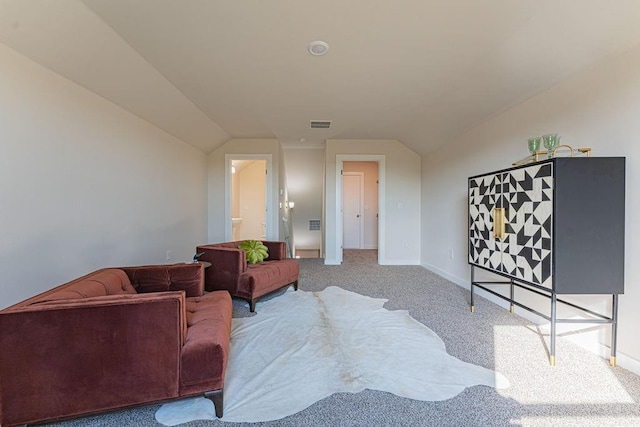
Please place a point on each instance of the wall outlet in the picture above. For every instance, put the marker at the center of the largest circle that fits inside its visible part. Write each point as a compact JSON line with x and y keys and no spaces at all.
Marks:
{"x":450,"y":253}
{"x":168,"y":255}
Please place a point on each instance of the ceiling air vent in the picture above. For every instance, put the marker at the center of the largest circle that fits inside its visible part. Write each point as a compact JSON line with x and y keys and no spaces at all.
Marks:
{"x":320,"y":124}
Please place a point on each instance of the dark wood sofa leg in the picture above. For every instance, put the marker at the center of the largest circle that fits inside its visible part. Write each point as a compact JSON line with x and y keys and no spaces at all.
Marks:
{"x":217,"y":397}
{"x":295,"y":285}
{"x":252,"y":305}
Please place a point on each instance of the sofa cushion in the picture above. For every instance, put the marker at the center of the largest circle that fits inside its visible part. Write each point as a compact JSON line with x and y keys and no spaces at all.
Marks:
{"x":153,"y":278}
{"x":110,"y":281}
{"x":270,"y":275}
{"x":206,"y":346}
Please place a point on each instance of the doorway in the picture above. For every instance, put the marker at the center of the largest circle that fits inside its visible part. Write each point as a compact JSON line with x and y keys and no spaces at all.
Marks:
{"x":368,"y":229}
{"x":248,"y":200}
{"x":249,"y":204}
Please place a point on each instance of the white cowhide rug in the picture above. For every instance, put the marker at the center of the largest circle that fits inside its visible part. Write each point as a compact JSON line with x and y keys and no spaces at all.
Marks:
{"x":304,"y":346}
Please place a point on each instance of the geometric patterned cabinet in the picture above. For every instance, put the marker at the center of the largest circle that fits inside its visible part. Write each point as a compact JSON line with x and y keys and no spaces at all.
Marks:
{"x":552,"y":227}
{"x":526,"y":195}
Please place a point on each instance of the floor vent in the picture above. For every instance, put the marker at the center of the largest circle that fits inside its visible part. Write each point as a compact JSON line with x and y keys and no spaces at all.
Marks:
{"x":320,"y":124}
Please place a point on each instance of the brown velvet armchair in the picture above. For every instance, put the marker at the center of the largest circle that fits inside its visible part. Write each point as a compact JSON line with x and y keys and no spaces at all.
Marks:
{"x":114,"y":338}
{"x":230,"y":271}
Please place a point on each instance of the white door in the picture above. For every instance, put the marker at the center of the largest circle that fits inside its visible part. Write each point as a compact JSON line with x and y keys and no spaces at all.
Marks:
{"x":352,"y":202}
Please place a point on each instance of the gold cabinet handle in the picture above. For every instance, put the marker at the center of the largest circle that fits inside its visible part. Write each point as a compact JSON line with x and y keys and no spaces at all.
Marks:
{"x":498,"y":223}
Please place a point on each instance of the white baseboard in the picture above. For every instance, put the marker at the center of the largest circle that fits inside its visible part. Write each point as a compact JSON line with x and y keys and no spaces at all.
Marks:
{"x":601,"y":350}
{"x":371,"y":246}
{"x":467,"y":285}
{"x":458,"y":281}
{"x":400,"y":262}
{"x":328,"y":261}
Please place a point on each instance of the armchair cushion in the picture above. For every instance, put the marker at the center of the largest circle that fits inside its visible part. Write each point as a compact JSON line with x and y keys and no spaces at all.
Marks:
{"x":206,"y":347}
{"x":277,"y":250}
{"x":177,"y":277}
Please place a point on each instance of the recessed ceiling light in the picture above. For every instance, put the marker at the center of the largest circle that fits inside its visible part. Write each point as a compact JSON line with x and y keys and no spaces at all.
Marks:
{"x":318,"y":48}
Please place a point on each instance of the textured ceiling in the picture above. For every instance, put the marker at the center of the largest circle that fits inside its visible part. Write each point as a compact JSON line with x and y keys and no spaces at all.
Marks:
{"x":419,"y":71}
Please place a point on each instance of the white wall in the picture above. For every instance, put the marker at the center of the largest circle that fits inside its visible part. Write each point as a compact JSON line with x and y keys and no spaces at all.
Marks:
{"x":85,"y":184}
{"x":401,"y":223}
{"x":598,"y":108}
{"x":305,"y":178}
{"x":217,"y":224}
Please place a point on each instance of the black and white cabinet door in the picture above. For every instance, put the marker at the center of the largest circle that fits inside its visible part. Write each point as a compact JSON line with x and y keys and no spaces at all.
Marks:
{"x":525,"y":251}
{"x":484,"y":193}
{"x":527,"y":195}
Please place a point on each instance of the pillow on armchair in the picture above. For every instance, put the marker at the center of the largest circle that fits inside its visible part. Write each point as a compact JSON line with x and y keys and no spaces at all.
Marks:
{"x":256,"y":251}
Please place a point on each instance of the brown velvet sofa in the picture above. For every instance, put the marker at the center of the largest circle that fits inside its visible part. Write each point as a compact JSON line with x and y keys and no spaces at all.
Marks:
{"x":230,"y":271}
{"x":114,"y":338}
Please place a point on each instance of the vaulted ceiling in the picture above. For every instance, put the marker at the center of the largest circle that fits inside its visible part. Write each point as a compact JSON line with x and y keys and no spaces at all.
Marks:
{"x":419,"y":71}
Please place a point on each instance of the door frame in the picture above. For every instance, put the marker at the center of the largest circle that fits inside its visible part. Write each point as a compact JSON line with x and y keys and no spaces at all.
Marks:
{"x":272,"y":210}
{"x":360,"y":208}
{"x":380,"y":159}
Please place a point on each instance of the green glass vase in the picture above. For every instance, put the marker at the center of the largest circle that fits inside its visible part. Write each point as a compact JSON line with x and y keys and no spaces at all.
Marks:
{"x":551,"y":142}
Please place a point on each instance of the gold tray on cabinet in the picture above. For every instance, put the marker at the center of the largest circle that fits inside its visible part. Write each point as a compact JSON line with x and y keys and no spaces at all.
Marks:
{"x":562,"y":149}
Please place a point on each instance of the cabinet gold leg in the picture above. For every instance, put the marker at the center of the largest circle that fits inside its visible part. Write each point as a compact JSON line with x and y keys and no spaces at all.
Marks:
{"x":613,"y":361}
{"x":511,"y":310}
{"x":552,"y":360}
{"x":473,"y":309}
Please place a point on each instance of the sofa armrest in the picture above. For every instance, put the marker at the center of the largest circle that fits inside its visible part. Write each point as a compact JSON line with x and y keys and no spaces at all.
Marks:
{"x":277,"y":250}
{"x":162,"y":278}
{"x":87,"y":355}
{"x":227,"y":265}
{"x":227,"y":262}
